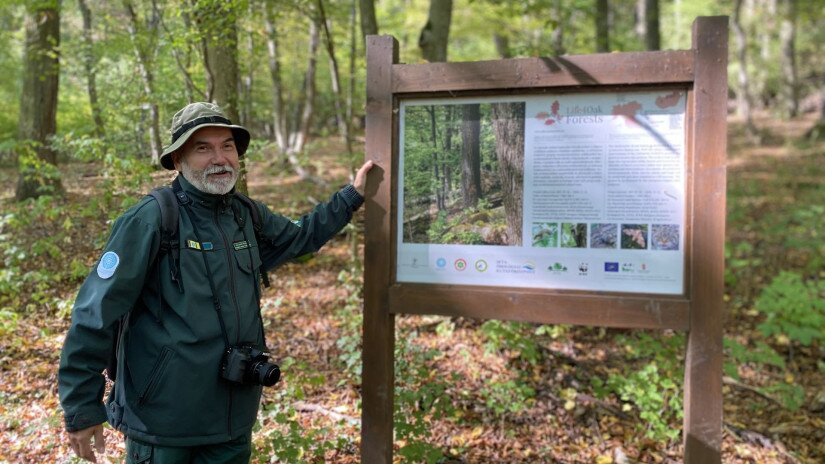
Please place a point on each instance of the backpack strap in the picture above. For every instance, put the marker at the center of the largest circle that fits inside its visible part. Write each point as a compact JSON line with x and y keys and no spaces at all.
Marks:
{"x":168,"y":199}
{"x":169,"y":244}
{"x":257,"y":226}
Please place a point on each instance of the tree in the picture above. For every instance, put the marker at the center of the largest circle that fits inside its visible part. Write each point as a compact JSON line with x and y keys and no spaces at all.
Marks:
{"x":217,"y":21}
{"x":435,"y":34}
{"x":602,"y":26}
{"x":647,"y":23}
{"x":743,"y":98}
{"x":471,"y":155}
{"x":89,"y":64}
{"x":787,"y":38}
{"x":508,"y":126}
{"x":37,"y":161}
{"x":144,"y":40}
{"x":369,"y":25}
{"x":291,"y":133}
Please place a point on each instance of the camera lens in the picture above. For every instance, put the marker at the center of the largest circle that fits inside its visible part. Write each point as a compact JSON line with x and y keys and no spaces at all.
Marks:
{"x":266,"y":374}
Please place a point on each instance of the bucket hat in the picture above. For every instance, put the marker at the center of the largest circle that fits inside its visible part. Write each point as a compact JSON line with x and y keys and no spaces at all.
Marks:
{"x":196,"y":116}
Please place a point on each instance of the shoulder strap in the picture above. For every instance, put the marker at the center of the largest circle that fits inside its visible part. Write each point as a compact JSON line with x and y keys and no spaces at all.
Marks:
{"x":168,"y":199}
{"x":257,"y":226}
{"x":169,"y":214}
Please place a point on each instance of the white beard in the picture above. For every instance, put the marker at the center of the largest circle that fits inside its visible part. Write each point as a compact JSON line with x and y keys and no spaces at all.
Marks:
{"x":201,"y":181}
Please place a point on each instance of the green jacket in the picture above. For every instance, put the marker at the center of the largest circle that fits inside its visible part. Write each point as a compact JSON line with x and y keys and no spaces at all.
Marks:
{"x":169,"y":390}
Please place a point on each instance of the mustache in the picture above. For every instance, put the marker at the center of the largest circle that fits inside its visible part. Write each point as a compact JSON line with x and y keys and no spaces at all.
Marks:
{"x":218,"y":170}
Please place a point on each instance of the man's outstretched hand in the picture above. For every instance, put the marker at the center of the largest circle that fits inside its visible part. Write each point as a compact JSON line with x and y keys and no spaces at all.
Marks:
{"x":360,"y":181}
{"x":81,"y":442}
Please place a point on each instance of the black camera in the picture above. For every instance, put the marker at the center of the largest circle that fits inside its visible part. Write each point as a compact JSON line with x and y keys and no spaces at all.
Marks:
{"x":249,"y":365}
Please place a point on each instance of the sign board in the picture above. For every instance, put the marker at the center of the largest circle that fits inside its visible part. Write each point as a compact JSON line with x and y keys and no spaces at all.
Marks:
{"x":595,"y":195}
{"x":601,"y":186}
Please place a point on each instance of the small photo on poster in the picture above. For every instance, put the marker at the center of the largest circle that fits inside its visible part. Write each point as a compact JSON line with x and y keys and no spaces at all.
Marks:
{"x":573,"y":235}
{"x":665,"y":237}
{"x":604,"y":235}
{"x":463,"y":174}
{"x":545,"y":234}
{"x":634,"y":236}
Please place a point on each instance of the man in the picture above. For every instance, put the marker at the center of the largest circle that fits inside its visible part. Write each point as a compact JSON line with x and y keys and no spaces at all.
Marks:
{"x":179,"y":397}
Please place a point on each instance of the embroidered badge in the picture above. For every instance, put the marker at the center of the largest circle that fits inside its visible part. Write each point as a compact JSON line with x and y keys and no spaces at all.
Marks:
{"x":242,"y":245}
{"x":193,"y":245}
{"x":107,"y":265}
{"x":207,"y":246}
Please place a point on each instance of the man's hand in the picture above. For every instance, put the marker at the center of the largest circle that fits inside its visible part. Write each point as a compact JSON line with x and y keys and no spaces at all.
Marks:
{"x":81,"y":442}
{"x":360,"y":181}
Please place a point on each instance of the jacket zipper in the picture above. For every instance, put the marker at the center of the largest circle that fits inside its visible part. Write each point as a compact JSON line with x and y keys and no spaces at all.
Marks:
{"x":228,"y":247}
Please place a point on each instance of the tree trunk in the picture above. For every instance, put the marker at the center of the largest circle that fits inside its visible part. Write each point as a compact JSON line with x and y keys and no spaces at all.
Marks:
{"x":647,"y":23}
{"x":602,"y":26}
{"x":340,"y":118}
{"x":279,"y":119}
{"x":144,"y":43}
{"x":743,"y":98}
{"x":787,"y":36}
{"x":434,"y":37}
{"x":248,"y":79}
{"x":470,"y":155}
{"x":502,"y":45}
{"x":219,"y":25}
{"x":37,"y":162}
{"x":89,"y":62}
{"x":291,"y":133}
{"x":369,"y":25}
{"x":439,"y":192}
{"x":508,"y":127}
{"x":557,"y":36}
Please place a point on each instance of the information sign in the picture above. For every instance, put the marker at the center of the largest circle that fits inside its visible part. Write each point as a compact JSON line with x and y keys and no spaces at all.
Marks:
{"x":597,"y":199}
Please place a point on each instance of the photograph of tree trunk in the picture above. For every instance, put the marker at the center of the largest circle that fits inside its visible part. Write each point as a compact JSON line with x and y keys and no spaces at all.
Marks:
{"x":463,"y":173}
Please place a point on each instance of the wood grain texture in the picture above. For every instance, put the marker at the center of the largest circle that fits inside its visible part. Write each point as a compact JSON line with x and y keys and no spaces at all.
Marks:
{"x":542,"y":306}
{"x":637,"y":68}
{"x":379,"y":324}
{"x":708,"y":143}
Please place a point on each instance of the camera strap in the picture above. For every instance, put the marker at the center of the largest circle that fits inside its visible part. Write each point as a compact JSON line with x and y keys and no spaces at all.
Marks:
{"x":215,"y":300}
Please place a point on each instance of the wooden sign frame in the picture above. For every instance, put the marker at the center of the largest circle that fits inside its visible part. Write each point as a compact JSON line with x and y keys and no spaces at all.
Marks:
{"x":702,"y":72}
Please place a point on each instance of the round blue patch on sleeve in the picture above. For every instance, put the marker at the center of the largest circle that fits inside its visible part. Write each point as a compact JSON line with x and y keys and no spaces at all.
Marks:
{"x":107,"y":265}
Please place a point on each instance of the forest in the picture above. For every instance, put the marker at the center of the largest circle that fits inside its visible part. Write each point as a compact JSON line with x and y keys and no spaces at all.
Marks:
{"x":89,"y":90}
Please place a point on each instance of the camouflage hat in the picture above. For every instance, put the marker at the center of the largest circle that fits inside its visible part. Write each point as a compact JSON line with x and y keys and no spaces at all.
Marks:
{"x":196,"y":116}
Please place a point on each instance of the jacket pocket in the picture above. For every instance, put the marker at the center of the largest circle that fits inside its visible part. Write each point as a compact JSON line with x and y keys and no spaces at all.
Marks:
{"x":248,"y":259}
{"x":155,"y":375}
{"x":137,"y":452}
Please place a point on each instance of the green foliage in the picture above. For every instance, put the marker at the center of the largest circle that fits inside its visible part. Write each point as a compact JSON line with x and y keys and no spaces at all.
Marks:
{"x":351,"y":318}
{"x":507,"y":396}
{"x":654,"y":388}
{"x":420,"y":396}
{"x":512,"y":336}
{"x":793,"y":308}
{"x":289,"y":441}
{"x":739,"y":355}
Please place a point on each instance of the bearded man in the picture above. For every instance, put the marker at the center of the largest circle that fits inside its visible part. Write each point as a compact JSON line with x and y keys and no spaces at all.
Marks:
{"x":191,"y":351}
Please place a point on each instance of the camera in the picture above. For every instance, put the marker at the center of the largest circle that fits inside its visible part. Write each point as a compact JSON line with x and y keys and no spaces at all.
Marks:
{"x":249,"y":365}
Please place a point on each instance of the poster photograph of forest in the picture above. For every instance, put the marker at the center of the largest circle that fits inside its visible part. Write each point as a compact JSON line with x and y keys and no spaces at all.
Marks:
{"x":463,"y":173}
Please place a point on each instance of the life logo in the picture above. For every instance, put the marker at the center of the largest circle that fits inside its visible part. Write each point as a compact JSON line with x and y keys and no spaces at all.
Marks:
{"x":460,"y":264}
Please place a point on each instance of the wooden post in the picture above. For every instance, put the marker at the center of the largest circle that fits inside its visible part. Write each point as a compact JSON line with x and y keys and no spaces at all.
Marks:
{"x":708,"y":137}
{"x":377,"y":378}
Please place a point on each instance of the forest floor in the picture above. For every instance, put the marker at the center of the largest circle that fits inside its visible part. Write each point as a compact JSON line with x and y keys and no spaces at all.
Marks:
{"x":472,"y":400}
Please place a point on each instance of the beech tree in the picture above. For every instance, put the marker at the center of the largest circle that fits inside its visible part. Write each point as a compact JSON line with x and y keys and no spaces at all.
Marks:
{"x":470,"y":155}
{"x":435,"y":34}
{"x":144,"y":35}
{"x":508,"y":126}
{"x":37,"y":161}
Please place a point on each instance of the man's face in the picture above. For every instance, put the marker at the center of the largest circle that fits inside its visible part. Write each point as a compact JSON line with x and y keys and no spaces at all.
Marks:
{"x":209,"y":160}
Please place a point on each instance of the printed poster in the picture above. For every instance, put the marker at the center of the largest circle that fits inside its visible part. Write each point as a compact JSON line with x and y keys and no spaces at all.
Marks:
{"x":569,"y":191}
